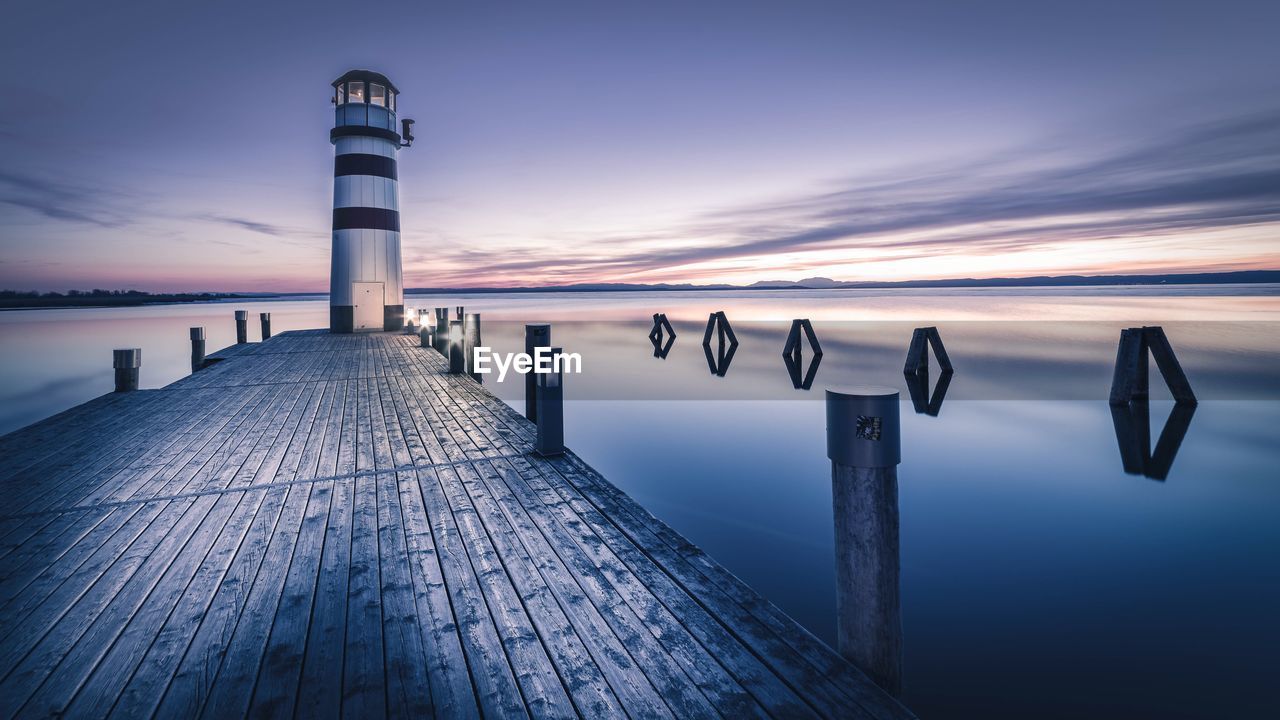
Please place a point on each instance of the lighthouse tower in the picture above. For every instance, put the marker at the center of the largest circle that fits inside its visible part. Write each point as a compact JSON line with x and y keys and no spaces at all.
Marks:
{"x":366,"y":290}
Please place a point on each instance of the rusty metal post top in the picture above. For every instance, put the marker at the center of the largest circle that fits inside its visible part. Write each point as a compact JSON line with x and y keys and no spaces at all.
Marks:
{"x":863,"y":426}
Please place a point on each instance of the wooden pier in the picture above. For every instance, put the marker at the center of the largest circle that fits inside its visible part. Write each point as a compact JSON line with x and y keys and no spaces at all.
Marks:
{"x":324,"y":525}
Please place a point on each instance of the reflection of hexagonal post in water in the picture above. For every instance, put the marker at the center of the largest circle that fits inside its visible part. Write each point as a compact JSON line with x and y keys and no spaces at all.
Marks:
{"x":1133,"y":434}
{"x":662,"y":328}
{"x":727,"y":343}
{"x":792,"y":354}
{"x":916,"y":371}
{"x":863,"y":443}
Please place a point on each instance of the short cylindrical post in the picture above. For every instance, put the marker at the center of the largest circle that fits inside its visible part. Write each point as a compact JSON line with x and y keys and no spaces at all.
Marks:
{"x":425,"y":335}
{"x":197,"y":348}
{"x":242,"y":327}
{"x":550,"y":411}
{"x":126,"y":362}
{"x":864,"y":445}
{"x":457,"y":356}
{"x":442,"y":331}
{"x":459,"y":311}
{"x":535,"y":336}
{"x":265,"y":318}
{"x":470,"y":339}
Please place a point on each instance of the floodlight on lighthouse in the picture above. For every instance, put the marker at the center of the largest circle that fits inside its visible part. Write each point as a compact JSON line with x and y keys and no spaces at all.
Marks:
{"x":406,"y":131}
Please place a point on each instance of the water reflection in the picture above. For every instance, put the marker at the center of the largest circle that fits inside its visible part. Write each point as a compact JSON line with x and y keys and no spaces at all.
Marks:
{"x":661,"y":327}
{"x":794,"y":363}
{"x":1133,"y":433}
{"x":792,"y":354}
{"x":918,"y":388}
{"x":726,"y":344}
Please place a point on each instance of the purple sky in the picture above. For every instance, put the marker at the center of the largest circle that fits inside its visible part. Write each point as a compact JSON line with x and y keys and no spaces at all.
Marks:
{"x":184,"y":146}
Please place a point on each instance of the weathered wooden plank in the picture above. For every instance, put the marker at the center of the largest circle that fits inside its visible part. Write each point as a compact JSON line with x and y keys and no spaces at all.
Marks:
{"x":136,"y":669}
{"x":495,"y":681}
{"x":117,"y":642}
{"x":320,"y":693}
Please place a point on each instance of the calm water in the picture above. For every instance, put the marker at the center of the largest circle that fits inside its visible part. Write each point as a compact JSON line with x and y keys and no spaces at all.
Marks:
{"x":1039,"y":579}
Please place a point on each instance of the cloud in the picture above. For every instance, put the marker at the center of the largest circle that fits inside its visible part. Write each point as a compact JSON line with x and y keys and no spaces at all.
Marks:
{"x":265,"y":228}
{"x":1209,"y":176}
{"x":63,"y":200}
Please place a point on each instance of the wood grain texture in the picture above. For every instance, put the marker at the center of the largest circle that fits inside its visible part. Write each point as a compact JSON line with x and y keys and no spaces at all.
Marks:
{"x":323,"y":525}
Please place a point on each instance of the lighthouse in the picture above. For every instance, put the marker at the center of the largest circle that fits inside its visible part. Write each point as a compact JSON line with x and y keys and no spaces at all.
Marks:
{"x":366,"y":288}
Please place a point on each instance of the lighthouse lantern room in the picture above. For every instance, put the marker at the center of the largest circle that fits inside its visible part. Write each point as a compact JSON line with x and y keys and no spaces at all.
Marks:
{"x":366,"y":289}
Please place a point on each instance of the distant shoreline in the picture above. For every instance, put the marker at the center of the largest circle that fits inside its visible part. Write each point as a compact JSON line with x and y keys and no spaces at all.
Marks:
{"x":134,"y":298}
{"x":124,"y":300}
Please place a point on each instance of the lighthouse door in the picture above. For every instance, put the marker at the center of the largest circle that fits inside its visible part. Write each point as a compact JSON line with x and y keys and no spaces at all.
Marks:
{"x":368,"y":305}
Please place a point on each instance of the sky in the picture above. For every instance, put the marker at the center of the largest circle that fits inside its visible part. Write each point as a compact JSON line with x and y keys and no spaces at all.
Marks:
{"x":184,"y":146}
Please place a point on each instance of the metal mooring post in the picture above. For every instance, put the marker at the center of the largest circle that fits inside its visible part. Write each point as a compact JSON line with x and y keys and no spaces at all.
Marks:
{"x":864,"y":445}
{"x":442,"y":331}
{"x":470,"y":340}
{"x":457,"y":361}
{"x":126,"y":362}
{"x":197,"y":348}
{"x":535,"y":336}
{"x":242,"y":327}
{"x":550,"y":411}
{"x":265,"y":319}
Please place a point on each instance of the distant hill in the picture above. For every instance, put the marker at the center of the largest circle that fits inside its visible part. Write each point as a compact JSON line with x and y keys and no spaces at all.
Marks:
{"x":822,"y":283}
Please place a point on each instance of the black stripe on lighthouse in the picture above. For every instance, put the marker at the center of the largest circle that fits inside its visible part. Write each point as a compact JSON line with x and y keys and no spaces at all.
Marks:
{"x":365,"y":218}
{"x":362,"y":164}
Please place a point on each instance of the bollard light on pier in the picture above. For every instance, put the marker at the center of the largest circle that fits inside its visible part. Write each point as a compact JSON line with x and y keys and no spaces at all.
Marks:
{"x":457,"y":360}
{"x":197,"y":348}
{"x":536,"y":335}
{"x":864,"y":445}
{"x":470,"y":339}
{"x":441,"y":335}
{"x":550,"y":441}
{"x":242,"y":327}
{"x":265,"y":319}
{"x":426,"y":336}
{"x":126,"y":362}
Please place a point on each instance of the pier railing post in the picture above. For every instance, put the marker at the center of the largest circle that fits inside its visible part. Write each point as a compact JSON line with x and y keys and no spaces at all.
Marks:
{"x":242,"y":327}
{"x":197,"y":348}
{"x":470,"y":340}
{"x":126,"y":362}
{"x":442,"y":331}
{"x":536,"y":335}
{"x":864,"y":445}
{"x":550,"y":412}
{"x":265,"y":319}
{"x":457,"y":359}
